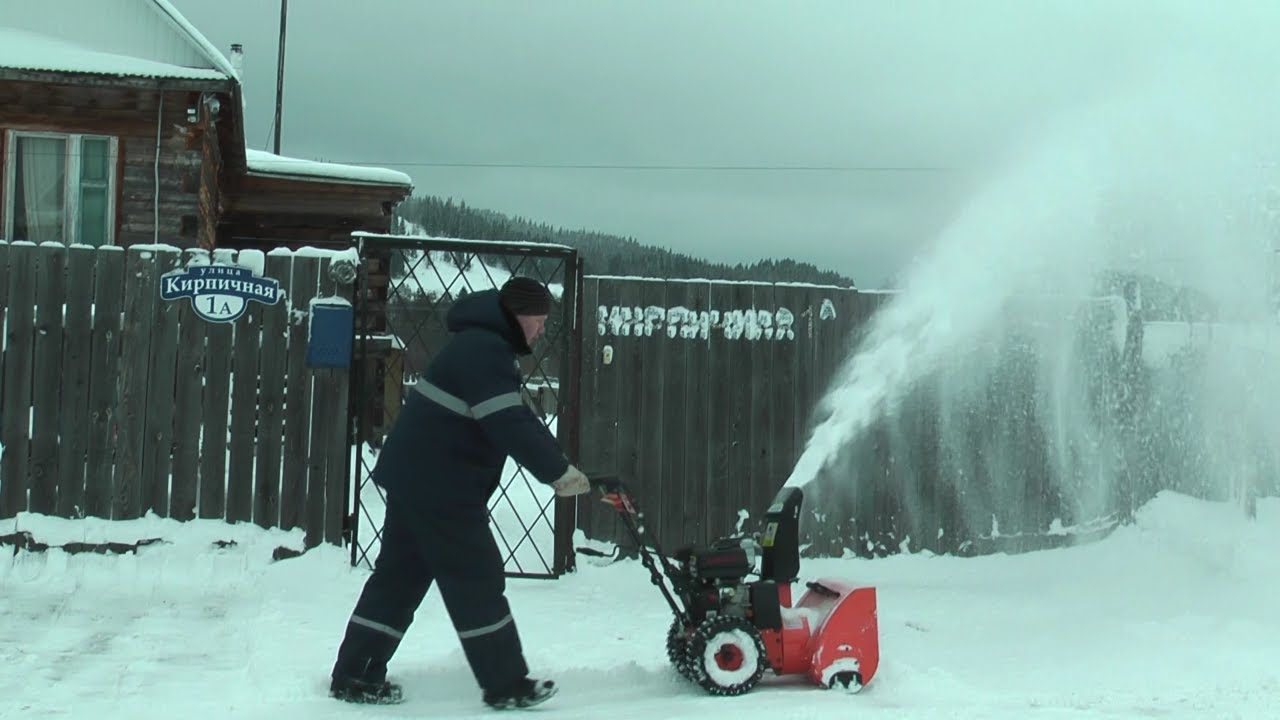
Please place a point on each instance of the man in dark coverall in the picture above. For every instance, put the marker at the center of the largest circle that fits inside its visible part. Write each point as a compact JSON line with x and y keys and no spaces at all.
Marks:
{"x":439,"y":466}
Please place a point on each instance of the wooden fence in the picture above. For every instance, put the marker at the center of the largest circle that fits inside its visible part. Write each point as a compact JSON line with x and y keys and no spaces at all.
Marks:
{"x":698,"y":393}
{"x":117,"y":402}
{"x":701,"y":396}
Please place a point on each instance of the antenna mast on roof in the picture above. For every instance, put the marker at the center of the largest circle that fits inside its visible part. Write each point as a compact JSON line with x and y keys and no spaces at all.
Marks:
{"x":284,"y":13}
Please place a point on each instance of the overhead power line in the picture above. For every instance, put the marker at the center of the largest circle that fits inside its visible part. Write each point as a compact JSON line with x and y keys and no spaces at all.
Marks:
{"x":658,"y":167}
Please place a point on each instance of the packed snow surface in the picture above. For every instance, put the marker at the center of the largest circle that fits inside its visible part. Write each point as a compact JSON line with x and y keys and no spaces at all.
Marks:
{"x":1172,"y":617}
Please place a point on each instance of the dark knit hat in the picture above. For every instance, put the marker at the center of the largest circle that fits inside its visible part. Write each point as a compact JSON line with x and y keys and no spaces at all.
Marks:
{"x":525,"y":296}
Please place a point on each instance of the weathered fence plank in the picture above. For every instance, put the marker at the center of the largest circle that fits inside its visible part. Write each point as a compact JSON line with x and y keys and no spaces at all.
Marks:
{"x":761,"y":481}
{"x":626,"y":358}
{"x":294,"y":491}
{"x":601,"y":390}
{"x":671,"y":387}
{"x":321,"y":413}
{"x":217,"y":405}
{"x":188,"y":403}
{"x":135,"y":338}
{"x":593,"y":455}
{"x":274,"y":352}
{"x":244,"y":413}
{"x":334,"y":447}
{"x":4,"y":313}
{"x":73,"y":409}
{"x":331,"y":427}
{"x":723,"y":471}
{"x":690,"y":464}
{"x":104,"y":379}
{"x":160,"y":392}
{"x":781,"y":396}
{"x":46,"y":378}
{"x":650,"y":372}
{"x":15,"y":428}
{"x":741,"y":364}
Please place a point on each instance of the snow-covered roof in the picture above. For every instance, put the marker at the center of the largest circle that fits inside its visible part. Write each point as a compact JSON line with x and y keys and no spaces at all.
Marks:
{"x":268,"y":164}
{"x":24,"y":50}
{"x":184,"y":26}
{"x":143,"y":39}
{"x":125,"y":38}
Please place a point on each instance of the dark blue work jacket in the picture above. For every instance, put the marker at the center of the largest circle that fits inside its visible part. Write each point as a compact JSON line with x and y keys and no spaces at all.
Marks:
{"x":461,"y":421}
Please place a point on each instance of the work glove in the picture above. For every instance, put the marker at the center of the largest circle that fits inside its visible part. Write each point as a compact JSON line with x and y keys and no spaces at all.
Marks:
{"x":573,"y":482}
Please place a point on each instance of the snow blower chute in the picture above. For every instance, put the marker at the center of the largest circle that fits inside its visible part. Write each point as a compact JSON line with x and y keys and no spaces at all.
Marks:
{"x":729,"y":630}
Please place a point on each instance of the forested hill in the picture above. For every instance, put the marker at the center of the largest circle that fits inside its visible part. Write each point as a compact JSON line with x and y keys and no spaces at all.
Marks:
{"x":602,"y":254}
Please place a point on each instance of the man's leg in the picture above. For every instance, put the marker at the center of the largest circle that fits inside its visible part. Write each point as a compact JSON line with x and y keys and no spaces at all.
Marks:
{"x":382,"y":615}
{"x":468,"y":570}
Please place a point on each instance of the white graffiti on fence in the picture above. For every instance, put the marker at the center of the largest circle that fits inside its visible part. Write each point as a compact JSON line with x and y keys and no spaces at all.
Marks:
{"x":752,"y":324}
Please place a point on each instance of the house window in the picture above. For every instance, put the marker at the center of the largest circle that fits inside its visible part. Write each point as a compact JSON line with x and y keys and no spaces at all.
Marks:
{"x":59,"y":188}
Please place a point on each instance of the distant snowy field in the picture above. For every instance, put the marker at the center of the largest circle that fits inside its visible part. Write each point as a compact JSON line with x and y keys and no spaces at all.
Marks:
{"x":1175,"y":617}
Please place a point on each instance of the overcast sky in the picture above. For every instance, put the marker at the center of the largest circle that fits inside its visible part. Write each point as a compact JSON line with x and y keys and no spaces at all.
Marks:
{"x":896,"y":103}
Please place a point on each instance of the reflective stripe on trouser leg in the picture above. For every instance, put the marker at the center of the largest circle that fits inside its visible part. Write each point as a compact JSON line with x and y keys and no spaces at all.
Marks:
{"x":494,"y":653}
{"x":475,"y":596}
{"x":390,"y":597}
{"x":477,"y":632}
{"x":377,"y":626}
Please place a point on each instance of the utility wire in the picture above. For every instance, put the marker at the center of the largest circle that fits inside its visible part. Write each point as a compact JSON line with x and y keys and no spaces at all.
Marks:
{"x":289,"y":161}
{"x":659,"y":167}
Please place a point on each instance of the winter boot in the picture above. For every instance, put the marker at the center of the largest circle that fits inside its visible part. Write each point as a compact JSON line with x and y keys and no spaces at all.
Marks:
{"x":369,"y":693}
{"x":524,"y":694}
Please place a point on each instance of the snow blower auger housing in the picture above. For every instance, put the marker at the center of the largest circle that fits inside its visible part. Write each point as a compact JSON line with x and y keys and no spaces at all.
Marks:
{"x":729,"y":629}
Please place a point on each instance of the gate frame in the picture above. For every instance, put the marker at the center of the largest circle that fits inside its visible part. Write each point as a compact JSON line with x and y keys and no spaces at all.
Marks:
{"x":568,"y":398}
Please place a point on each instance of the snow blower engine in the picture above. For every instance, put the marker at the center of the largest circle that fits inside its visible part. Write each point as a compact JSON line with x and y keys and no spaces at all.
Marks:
{"x":729,"y":629}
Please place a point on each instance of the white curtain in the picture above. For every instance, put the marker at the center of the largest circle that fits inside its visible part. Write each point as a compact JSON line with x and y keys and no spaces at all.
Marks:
{"x":42,"y":162}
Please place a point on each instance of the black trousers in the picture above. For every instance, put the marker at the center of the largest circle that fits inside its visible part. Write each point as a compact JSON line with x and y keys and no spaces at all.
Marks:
{"x":458,"y":555}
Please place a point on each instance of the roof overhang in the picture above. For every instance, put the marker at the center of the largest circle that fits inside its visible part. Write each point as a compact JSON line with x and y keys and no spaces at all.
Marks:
{"x":92,"y":79}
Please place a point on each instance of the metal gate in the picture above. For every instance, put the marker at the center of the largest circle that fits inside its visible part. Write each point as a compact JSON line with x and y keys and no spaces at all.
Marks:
{"x":404,"y":292}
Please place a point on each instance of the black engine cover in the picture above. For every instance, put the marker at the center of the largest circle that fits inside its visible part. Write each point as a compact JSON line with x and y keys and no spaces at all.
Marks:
{"x":722,"y":563}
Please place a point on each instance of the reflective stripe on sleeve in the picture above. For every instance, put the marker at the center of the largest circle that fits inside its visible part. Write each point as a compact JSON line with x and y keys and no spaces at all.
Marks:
{"x":458,"y":405}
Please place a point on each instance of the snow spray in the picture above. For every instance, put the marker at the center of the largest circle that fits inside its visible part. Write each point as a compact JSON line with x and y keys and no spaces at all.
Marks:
{"x":1172,"y":177}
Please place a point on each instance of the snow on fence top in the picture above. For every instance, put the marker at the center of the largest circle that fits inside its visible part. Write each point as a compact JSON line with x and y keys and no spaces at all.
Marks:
{"x":439,"y":274}
{"x":416,"y":233}
{"x":721,"y":281}
{"x":265,"y":163}
{"x":25,"y":50}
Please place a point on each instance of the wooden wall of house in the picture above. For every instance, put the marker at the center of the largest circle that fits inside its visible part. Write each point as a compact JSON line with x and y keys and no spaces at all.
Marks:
{"x":263,"y":212}
{"x":139,"y":119}
{"x":295,"y":213}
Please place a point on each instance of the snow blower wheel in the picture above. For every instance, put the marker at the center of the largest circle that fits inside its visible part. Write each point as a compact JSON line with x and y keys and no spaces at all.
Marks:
{"x":677,"y":649}
{"x":726,"y":656}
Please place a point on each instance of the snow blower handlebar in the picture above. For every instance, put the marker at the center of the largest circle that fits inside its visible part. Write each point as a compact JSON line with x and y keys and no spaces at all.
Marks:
{"x":614,"y":492}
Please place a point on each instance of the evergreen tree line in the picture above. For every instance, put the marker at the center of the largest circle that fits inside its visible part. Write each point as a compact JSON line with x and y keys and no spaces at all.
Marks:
{"x":602,"y":253}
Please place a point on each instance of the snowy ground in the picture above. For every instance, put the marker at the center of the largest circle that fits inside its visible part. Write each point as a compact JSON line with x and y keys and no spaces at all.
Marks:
{"x":1174,"y":617}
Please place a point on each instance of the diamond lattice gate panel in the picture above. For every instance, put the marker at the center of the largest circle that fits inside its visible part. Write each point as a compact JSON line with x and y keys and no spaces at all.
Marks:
{"x":407,"y":287}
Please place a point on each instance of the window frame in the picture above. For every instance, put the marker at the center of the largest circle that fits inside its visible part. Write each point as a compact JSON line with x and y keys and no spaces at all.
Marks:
{"x":71,"y":187}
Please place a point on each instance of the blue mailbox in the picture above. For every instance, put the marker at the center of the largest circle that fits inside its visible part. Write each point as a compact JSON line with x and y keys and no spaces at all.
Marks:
{"x":330,"y":338}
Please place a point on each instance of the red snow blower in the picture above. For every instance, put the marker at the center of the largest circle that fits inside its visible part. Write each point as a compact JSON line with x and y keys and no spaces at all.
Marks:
{"x":729,"y":630}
